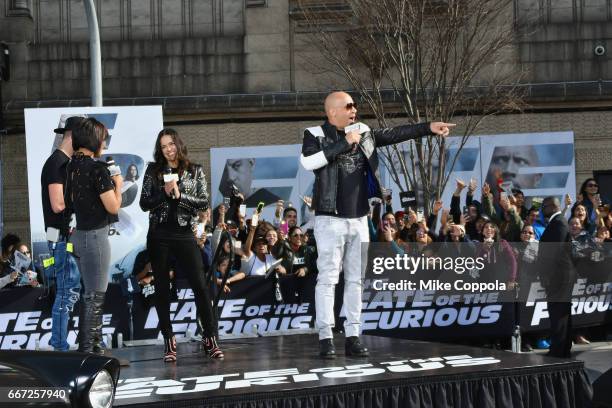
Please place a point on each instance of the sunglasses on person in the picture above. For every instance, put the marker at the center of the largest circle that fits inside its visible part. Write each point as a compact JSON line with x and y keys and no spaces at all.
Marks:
{"x":297,"y":235}
{"x":351,"y":105}
{"x":592,"y":185}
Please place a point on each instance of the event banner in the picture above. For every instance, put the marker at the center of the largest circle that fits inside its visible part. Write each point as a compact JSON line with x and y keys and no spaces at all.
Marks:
{"x":133,"y":131}
{"x":25,"y":314}
{"x":539,"y":164}
{"x":262,"y":174}
{"x":251,"y":309}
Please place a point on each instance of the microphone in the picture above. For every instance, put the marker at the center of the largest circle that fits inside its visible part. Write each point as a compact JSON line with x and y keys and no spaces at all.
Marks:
{"x":168,"y":177}
{"x":113,"y":169}
{"x":355,"y":127}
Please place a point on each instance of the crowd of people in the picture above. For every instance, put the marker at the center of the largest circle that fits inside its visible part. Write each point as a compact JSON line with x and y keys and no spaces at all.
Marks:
{"x":216,"y":249}
{"x":17,"y":269}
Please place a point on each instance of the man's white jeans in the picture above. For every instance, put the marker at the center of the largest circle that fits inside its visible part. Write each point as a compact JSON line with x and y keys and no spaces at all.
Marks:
{"x":339,"y":248}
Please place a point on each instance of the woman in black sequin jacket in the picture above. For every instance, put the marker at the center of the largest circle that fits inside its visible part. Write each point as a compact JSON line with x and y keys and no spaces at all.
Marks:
{"x":173,"y":191}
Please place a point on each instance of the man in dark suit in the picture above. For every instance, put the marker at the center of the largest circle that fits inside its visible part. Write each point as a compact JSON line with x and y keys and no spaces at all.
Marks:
{"x":558,"y":276}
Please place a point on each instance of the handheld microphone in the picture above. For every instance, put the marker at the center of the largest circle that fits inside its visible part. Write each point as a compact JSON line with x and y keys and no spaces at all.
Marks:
{"x":113,"y":169}
{"x":168,"y":177}
{"x":355,"y":127}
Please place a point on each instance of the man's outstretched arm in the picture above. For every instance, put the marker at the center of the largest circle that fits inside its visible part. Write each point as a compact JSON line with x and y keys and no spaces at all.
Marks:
{"x":398,"y":134}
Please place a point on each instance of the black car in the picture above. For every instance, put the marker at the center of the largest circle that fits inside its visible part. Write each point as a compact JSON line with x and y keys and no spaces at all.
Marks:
{"x":48,"y":378}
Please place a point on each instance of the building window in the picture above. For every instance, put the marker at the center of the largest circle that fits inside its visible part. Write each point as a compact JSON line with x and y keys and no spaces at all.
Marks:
{"x":256,"y":3}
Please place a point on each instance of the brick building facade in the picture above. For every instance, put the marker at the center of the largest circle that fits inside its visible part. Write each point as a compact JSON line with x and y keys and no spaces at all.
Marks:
{"x":246,"y":57}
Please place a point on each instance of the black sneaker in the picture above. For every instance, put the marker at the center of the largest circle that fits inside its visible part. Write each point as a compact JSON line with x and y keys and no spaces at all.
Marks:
{"x":353,"y":347}
{"x":327,"y":349}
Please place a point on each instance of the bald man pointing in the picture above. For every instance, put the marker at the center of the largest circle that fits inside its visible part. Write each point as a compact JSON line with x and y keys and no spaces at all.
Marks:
{"x":346,"y":176}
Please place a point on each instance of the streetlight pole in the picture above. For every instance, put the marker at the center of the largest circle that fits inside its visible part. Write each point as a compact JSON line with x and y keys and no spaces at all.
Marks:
{"x":95,"y":56}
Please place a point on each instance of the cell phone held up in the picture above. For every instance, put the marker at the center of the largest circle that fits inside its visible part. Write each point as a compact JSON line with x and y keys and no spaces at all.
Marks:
{"x":260,"y":207}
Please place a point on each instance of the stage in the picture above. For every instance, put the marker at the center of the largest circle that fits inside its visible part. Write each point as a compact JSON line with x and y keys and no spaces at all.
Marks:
{"x":285,"y":371}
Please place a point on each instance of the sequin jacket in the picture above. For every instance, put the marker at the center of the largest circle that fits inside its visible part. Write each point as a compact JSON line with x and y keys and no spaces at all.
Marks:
{"x":194,"y":196}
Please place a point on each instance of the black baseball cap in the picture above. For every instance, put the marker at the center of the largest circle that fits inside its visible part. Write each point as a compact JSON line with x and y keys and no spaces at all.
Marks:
{"x":71,"y":124}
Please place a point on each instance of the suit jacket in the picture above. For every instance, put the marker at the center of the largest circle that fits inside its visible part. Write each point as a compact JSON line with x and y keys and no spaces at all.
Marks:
{"x":555,"y":264}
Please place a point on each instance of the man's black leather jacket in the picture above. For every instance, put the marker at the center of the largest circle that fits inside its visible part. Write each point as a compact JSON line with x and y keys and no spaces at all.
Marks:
{"x":194,"y":196}
{"x":320,"y":149}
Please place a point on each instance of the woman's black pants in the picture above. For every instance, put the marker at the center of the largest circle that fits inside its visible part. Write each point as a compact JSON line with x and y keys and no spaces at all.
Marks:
{"x":189,"y":259}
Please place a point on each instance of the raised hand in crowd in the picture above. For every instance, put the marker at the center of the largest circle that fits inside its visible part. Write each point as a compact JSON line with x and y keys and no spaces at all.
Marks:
{"x":280,"y":205}
{"x":504,"y":202}
{"x":388,"y":197}
{"x":445,"y":214}
{"x":387,"y":233}
{"x":437,"y":206}
{"x":568,"y":200}
{"x":441,"y":128}
{"x":596,"y":200}
{"x":207,"y":216}
{"x":472,"y":186}
{"x":412,"y":218}
{"x":444,"y":227}
{"x":486,"y":189}
{"x":463,"y":219}
{"x":460,"y":186}
{"x":423,"y":224}
{"x":308,"y":201}
{"x":512,"y":200}
{"x":221,"y":221}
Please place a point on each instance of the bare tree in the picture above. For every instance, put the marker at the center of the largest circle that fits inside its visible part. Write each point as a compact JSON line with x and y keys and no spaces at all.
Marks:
{"x":430,"y":60}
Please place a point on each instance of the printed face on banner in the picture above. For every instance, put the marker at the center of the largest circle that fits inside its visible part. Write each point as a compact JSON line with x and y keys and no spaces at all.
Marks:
{"x":540,"y":164}
{"x":132,"y":134}
{"x":262,"y":174}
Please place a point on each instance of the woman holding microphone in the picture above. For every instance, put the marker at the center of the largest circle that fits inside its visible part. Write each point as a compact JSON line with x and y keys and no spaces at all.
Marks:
{"x":95,"y":198}
{"x":173,"y":191}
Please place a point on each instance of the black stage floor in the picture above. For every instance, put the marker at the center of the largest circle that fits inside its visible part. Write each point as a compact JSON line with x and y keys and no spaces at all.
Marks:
{"x":286,"y":371}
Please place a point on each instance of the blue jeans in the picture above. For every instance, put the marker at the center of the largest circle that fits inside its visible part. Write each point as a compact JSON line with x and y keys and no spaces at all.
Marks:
{"x":67,"y":288}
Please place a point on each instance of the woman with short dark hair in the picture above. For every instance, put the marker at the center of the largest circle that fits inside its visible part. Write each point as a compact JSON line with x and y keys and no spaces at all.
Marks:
{"x":173,"y":191}
{"x":95,"y":198}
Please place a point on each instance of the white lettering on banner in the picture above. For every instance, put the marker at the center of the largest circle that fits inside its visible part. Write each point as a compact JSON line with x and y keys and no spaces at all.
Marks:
{"x":232,"y":308}
{"x":5,"y":319}
{"x":443,"y":317}
{"x":27,"y":321}
{"x":540,"y":312}
{"x":25,"y":329}
{"x":134,"y":388}
{"x":587,"y":298}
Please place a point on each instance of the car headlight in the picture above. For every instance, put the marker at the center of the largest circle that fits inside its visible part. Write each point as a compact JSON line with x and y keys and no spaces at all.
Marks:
{"x":102,"y":390}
